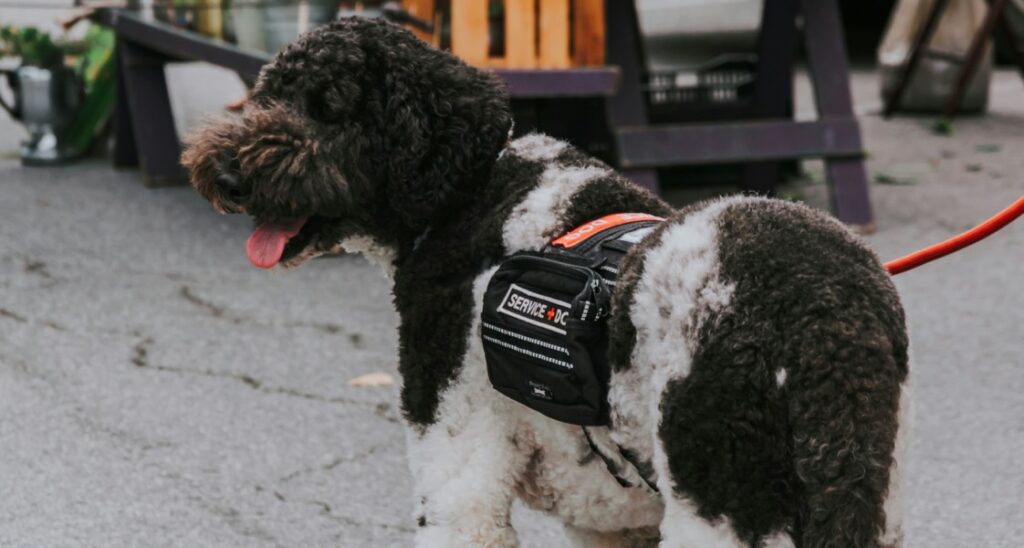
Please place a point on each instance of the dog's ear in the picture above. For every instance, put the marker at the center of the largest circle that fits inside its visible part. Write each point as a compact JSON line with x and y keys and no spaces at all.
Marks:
{"x":446,"y":122}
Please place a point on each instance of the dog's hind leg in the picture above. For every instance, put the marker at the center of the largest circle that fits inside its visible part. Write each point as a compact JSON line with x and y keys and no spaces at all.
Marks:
{"x":678,"y":294}
{"x":682,"y":527}
{"x":893,"y":535}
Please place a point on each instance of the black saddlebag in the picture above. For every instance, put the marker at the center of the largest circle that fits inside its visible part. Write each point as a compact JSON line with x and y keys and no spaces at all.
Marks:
{"x":544,"y":319}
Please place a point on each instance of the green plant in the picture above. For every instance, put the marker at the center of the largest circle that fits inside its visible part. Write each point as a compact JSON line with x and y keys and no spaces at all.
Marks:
{"x":32,"y":45}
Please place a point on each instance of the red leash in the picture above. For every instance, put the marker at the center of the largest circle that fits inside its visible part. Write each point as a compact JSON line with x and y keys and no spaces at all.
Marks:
{"x":957,"y":243}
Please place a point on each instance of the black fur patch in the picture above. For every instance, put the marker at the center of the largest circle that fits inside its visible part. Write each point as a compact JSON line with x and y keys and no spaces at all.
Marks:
{"x":811,"y":300}
{"x":434,"y":285}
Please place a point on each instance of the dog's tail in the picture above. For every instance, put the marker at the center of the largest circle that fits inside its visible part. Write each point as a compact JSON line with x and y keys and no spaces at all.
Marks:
{"x":844,"y":417}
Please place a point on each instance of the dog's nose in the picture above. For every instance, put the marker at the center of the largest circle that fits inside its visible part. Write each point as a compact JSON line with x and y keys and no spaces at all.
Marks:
{"x":231,"y":187}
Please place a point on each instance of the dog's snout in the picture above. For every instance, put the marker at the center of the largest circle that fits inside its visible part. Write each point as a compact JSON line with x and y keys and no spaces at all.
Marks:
{"x":231,"y":187}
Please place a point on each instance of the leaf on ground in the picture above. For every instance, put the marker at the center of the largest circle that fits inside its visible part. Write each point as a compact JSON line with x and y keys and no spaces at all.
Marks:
{"x":973,"y":168}
{"x":988,"y":148}
{"x":791,"y":195}
{"x":942,"y":126}
{"x":902,"y":174}
{"x":377,"y":378}
{"x":887,"y":179}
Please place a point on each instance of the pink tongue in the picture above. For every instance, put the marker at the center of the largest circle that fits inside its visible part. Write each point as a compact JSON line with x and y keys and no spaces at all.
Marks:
{"x":266,"y":243}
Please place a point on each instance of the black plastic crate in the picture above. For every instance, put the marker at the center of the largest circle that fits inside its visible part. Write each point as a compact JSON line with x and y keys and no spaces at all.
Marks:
{"x":719,"y":89}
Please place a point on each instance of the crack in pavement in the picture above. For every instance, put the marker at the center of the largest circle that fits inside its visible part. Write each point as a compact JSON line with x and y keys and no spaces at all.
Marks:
{"x":218,"y":311}
{"x":76,"y":410}
{"x":140,"y":358}
{"x":39,"y":268}
{"x":93,"y":423}
{"x":328,"y":512}
{"x":214,"y":310}
{"x":229,"y":515}
{"x":140,"y":352}
{"x":334,"y":463}
{"x":11,"y":315}
{"x":384,"y":411}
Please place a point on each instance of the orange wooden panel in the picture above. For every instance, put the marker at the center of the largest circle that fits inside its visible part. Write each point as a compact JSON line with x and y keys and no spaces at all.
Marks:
{"x":520,"y":34}
{"x":554,"y":33}
{"x":588,"y":33}
{"x":469,"y":30}
{"x":422,"y":9}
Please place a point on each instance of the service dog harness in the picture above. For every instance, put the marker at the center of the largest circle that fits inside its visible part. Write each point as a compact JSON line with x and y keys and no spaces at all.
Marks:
{"x":544,"y":328}
{"x":544,"y":319}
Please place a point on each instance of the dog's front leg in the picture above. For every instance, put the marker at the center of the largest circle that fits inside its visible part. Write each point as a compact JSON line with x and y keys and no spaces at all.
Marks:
{"x":467,"y":462}
{"x":464,"y":481}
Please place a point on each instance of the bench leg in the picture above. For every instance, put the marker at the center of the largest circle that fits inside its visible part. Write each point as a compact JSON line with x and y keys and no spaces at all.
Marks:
{"x":125,"y":153}
{"x":628,"y":106}
{"x":830,"y":74}
{"x":773,"y":84}
{"x":152,"y":123}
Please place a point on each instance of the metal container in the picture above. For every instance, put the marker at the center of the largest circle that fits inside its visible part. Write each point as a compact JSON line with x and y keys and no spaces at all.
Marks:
{"x":286,"y":22}
{"x":269,"y":26}
{"x":46,"y":101}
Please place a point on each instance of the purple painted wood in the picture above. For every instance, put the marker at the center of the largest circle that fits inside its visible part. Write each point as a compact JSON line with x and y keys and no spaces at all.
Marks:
{"x":693,"y":144}
{"x":151,"y":118}
{"x":773,"y":83}
{"x":179,"y":44}
{"x":826,"y":55}
{"x":627,"y":107}
{"x":551,"y":83}
{"x":125,"y":153}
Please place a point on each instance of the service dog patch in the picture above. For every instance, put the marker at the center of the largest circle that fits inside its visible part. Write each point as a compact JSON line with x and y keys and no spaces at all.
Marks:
{"x":535,"y":309}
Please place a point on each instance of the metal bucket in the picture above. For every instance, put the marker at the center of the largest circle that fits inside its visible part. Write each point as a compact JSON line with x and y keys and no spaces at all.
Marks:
{"x":46,"y":101}
{"x":285,"y":23}
{"x":269,"y":27}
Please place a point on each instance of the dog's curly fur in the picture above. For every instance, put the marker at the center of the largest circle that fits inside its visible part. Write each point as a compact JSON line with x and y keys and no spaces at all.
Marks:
{"x":759,"y":350}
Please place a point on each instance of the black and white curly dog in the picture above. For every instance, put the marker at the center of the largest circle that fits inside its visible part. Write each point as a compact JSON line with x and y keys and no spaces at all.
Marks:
{"x":758,"y":349}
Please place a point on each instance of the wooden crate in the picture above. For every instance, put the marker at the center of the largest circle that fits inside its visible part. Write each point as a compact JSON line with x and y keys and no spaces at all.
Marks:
{"x":549,"y":34}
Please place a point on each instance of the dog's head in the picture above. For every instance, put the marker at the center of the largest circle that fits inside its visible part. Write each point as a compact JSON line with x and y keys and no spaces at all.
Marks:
{"x":356,"y":129}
